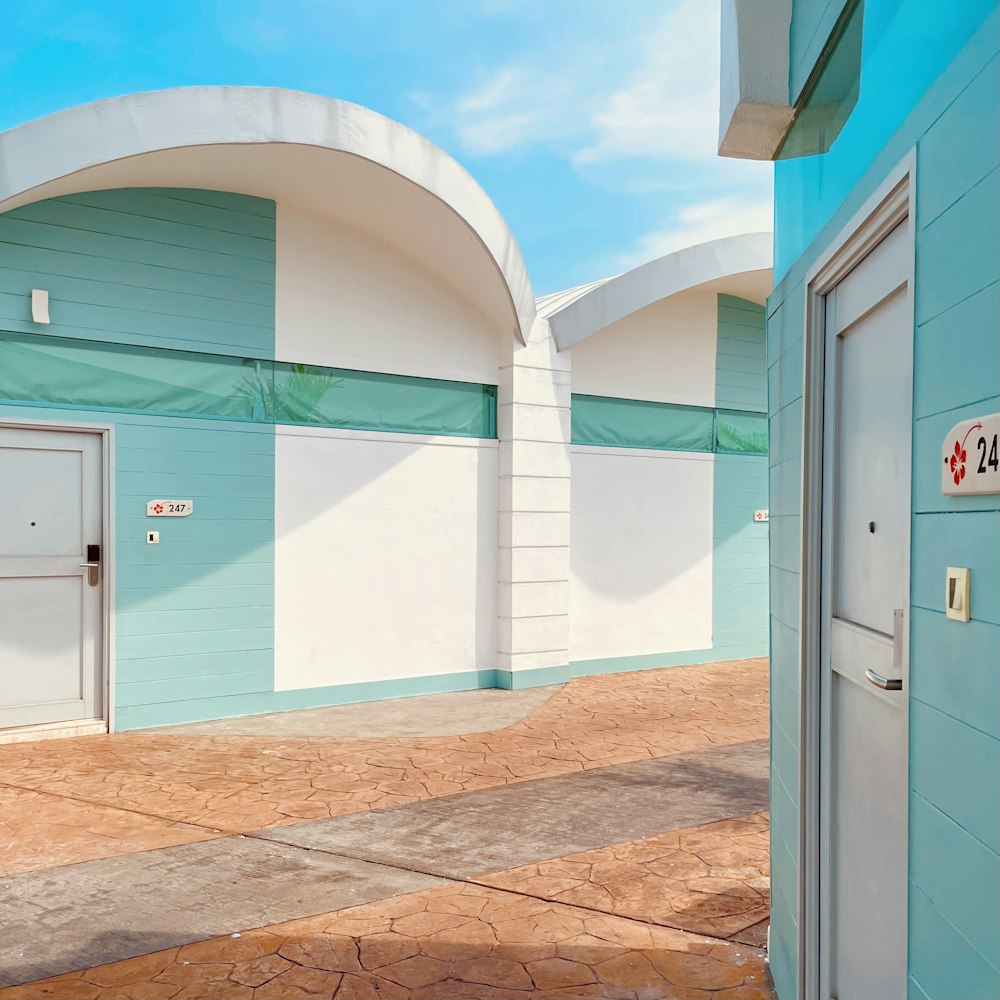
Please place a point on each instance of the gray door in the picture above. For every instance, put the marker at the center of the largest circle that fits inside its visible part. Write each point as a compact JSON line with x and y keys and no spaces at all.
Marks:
{"x":866,"y":558}
{"x":51,"y":662}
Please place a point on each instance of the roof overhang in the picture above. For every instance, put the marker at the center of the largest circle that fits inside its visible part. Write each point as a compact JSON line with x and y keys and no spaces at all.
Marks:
{"x":317,"y":153}
{"x":755,"y":113}
{"x":736,"y":265}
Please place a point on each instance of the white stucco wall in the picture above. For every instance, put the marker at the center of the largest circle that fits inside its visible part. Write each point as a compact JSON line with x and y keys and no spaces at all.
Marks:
{"x":664,"y":352}
{"x":641,"y":560}
{"x":345,"y":300}
{"x":385,"y":556}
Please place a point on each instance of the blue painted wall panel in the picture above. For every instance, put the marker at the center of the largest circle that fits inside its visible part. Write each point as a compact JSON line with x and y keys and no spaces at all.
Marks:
{"x":194,"y":615}
{"x":144,"y":266}
{"x":908,"y":45}
{"x":930,"y":80}
{"x":739,"y":582}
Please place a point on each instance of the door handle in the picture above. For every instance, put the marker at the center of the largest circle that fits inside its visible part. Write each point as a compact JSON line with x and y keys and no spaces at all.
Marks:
{"x":885,"y":683}
{"x":93,"y":564}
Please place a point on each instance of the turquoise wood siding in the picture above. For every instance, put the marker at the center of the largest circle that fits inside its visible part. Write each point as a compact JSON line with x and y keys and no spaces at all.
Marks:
{"x":160,"y":267}
{"x":741,"y":356}
{"x":194,"y":615}
{"x":954,"y":836}
{"x":739,"y":557}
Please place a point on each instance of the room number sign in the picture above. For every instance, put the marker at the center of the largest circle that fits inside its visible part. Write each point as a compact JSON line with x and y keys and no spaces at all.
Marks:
{"x":169,"y":508}
{"x":971,"y":457}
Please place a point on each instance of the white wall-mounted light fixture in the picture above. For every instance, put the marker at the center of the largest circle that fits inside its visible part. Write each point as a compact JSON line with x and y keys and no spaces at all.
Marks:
{"x":40,"y":305}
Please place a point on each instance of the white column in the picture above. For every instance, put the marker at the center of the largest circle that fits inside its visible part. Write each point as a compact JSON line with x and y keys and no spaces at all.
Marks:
{"x":533,"y":417}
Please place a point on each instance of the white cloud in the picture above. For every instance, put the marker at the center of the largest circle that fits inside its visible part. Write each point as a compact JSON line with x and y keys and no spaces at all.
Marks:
{"x":635,"y":109}
{"x":697,"y":223}
{"x":514,"y":108}
{"x":669,"y":107}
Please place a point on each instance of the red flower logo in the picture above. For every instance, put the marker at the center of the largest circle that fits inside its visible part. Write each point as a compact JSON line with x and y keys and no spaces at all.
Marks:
{"x":158,"y":507}
{"x":957,"y":463}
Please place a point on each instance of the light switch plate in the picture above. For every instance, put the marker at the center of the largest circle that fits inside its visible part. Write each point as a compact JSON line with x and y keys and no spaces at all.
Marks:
{"x":152,"y":538}
{"x":957,"y":591}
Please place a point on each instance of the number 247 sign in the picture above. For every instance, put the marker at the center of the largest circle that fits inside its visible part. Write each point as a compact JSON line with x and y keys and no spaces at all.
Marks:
{"x":972,"y":457}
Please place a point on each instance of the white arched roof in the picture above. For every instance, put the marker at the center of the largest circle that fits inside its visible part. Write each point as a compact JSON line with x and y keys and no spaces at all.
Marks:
{"x":738,"y":265}
{"x":312,"y":151}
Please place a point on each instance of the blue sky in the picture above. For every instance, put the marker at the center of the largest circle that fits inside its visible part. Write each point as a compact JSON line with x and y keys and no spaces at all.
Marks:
{"x":591,"y":125}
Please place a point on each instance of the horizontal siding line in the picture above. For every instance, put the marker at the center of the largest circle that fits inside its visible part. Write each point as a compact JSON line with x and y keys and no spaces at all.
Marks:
{"x":133,"y":311}
{"x":955,"y":718}
{"x":110,"y":213}
{"x":784,"y":407}
{"x":960,"y":406}
{"x":155,"y":588}
{"x":200,"y":568}
{"x":72,"y":262}
{"x":941,"y":913}
{"x":122,"y":283}
{"x":64,"y":226}
{"x":44,"y":247}
{"x":192,"y":631}
{"x":201,"y":346}
{"x":252,"y":206}
{"x":167,"y":656}
{"x":776,"y":829}
{"x":965,"y":510}
{"x":924,"y":321}
{"x":83,"y":200}
{"x":971,"y":187}
{"x":166,"y":471}
{"x":952,"y":821}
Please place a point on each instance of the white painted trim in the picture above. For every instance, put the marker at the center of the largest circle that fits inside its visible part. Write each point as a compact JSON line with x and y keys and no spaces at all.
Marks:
{"x":385,"y":437}
{"x":52,"y":730}
{"x":107,"y":432}
{"x":892,"y":202}
{"x":577,"y":313}
{"x":118,"y":129}
{"x":682,"y":456}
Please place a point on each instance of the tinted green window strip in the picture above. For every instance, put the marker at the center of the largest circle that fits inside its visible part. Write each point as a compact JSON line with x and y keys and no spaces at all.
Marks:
{"x":637,"y":423}
{"x":102,"y":376}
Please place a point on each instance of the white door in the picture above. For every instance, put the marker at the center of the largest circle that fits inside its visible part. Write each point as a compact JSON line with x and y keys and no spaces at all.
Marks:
{"x":865,"y":562}
{"x":51,"y":660}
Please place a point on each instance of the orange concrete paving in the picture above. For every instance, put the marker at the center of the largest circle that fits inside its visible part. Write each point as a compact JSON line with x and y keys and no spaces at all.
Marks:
{"x":711,"y":879}
{"x":679,"y":915}
{"x":450,"y":943}
{"x":107,"y":795}
{"x":38,"y":830}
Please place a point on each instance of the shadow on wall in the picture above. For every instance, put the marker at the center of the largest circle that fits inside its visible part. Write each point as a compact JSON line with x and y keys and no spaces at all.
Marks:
{"x":391,"y":545}
{"x":640,"y":523}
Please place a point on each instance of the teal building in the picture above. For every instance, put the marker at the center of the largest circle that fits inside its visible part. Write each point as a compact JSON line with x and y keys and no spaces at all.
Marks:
{"x":282,"y":426}
{"x":883,"y":333}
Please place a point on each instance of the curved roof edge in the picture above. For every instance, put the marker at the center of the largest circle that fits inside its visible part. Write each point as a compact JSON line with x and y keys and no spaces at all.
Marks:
{"x":66,"y":142}
{"x":576,"y":313}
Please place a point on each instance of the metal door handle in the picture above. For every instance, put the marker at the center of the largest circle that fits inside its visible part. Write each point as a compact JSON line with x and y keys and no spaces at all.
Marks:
{"x":885,"y":683}
{"x":85,"y":565}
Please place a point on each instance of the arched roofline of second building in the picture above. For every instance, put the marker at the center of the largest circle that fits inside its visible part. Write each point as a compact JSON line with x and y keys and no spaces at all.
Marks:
{"x":577,"y":313}
{"x":41,"y":158}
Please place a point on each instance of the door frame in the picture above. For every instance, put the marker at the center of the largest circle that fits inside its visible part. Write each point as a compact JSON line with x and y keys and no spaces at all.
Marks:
{"x":893,"y":201}
{"x":107,"y":434}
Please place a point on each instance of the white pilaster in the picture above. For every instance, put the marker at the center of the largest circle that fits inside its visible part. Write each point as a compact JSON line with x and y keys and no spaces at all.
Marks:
{"x":534,"y":497}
